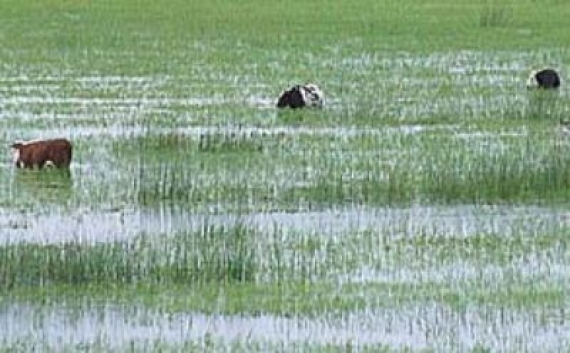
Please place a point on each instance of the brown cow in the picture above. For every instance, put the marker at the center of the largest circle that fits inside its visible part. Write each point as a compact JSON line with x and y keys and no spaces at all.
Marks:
{"x":54,"y":152}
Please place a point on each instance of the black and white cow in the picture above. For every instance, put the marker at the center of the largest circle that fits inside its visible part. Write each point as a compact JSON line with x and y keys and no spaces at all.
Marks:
{"x":543,"y":78}
{"x":299,"y":96}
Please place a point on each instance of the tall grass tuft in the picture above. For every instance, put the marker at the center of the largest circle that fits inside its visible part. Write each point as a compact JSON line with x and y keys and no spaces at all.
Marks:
{"x":174,"y":183}
{"x":449,"y":175}
{"x":230,"y":142}
{"x":169,"y":144}
{"x":212,"y":254}
{"x":505,"y":177}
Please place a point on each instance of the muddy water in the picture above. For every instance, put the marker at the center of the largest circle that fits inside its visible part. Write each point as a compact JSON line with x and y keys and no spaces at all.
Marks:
{"x":431,"y":326}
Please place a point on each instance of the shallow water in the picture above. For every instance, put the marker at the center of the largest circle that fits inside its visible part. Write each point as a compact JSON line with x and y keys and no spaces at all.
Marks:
{"x":465,"y":83}
{"x":196,"y":131}
{"x":429,"y":326}
{"x":541,"y":269}
{"x":88,"y":225}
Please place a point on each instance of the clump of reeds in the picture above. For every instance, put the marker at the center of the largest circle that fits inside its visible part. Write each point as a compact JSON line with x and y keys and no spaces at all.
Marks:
{"x":524,"y":172}
{"x":169,"y":144}
{"x":212,"y":254}
{"x":231,"y":141}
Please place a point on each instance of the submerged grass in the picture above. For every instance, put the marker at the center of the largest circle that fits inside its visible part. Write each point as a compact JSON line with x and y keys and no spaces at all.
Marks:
{"x":239,"y":269}
{"x":439,"y":64}
{"x":450,"y":170}
{"x":48,"y":186}
{"x":175,"y":145}
{"x":213,"y":345}
{"x":484,"y":248}
{"x":216,"y":254}
{"x":293,"y":298}
{"x":484,"y":184}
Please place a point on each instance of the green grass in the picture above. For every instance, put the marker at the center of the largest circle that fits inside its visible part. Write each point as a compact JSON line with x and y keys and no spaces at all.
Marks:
{"x":50,"y":186}
{"x":291,"y":299}
{"x":179,"y":146}
{"x":455,"y":69}
{"x":288,"y":273}
{"x":479,"y":249}
{"x":70,"y":26}
{"x":213,"y":345}
{"x":212,"y":254}
{"x":495,"y":14}
{"x":449,"y":170}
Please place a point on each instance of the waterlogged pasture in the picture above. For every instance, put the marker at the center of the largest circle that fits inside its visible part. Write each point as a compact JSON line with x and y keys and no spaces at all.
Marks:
{"x":425,"y":208}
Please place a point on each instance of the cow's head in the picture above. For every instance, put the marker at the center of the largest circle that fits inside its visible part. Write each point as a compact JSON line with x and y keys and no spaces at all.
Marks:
{"x":17,"y":145}
{"x":15,"y":149}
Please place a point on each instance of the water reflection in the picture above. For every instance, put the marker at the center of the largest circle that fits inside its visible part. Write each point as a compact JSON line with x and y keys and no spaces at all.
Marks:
{"x":54,"y":226}
{"x":544,"y":104}
{"x":428,"y":326}
{"x":53,"y":186}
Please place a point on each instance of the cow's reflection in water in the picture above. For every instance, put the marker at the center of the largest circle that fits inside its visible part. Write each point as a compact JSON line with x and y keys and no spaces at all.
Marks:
{"x":46,"y":187}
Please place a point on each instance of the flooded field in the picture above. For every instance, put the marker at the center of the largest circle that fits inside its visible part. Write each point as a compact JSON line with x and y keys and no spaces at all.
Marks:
{"x":423,"y":209}
{"x":410,"y":327}
{"x":92,"y":226}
